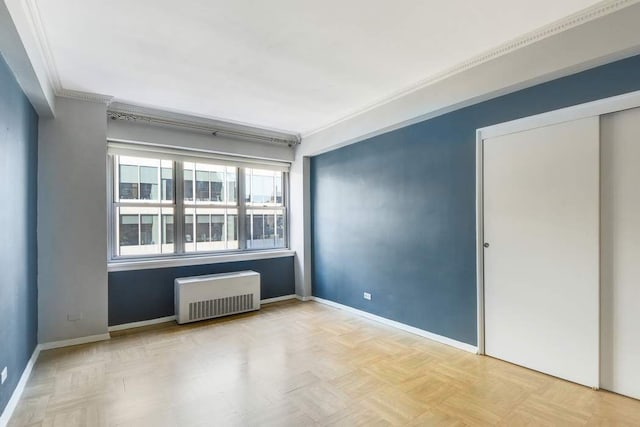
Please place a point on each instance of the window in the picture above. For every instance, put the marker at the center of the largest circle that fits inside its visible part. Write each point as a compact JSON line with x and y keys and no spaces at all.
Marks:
{"x":215,"y":204}
{"x":265,"y":209}
{"x":221,"y":207}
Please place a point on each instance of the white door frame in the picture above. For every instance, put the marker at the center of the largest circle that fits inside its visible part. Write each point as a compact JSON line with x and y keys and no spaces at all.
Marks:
{"x":576,"y":112}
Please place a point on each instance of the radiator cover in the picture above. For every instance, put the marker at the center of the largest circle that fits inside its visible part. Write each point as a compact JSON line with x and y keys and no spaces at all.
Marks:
{"x":216,"y":295}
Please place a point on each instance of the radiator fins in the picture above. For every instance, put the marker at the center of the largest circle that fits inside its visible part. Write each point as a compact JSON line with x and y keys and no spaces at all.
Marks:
{"x":220,"y":307}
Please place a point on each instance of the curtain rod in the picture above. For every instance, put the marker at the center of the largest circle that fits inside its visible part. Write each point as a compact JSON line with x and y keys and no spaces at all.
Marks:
{"x":213,"y":130}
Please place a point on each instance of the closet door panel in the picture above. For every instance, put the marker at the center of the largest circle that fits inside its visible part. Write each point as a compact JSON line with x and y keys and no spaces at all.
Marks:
{"x":541,"y":269}
{"x":620,"y":253}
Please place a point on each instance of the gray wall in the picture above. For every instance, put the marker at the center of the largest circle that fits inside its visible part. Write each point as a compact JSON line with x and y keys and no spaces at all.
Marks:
{"x":72,"y":221}
{"x":18,"y":266}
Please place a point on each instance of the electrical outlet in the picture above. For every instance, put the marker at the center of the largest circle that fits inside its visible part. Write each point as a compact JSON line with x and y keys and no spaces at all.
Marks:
{"x":5,"y":373}
{"x":367,"y":296}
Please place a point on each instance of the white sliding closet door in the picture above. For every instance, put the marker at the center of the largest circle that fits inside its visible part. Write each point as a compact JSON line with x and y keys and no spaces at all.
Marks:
{"x":541,"y":270}
{"x":620,"y":311}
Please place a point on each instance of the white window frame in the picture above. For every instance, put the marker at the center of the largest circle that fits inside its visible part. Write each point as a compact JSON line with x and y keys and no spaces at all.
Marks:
{"x":180,"y":256}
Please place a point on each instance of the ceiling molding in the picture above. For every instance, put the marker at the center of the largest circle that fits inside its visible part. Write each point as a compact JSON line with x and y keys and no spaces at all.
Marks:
{"x":599,"y":10}
{"x":33,"y":14}
{"x":20,"y":51}
{"x":84,"y":96}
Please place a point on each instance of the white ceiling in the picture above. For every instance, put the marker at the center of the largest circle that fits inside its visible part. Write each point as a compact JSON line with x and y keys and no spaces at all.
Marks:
{"x":294,"y":65}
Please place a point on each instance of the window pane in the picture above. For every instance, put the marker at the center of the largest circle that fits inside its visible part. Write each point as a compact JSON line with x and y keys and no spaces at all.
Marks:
{"x":143,"y":178}
{"x":188,"y":184}
{"x":202,"y":185}
{"x":216,"y":186}
{"x":167,"y":229}
{"x":247,"y":186}
{"x":265,"y":228}
{"x":167,"y":184}
{"x":128,"y":182}
{"x":217,"y":228}
{"x":188,"y":228}
{"x":264,"y":187}
{"x":232,"y":185}
{"x":280,"y":231}
{"x":148,"y":183}
{"x":257,"y":229}
{"x":278,"y":183}
{"x":202,"y":228}
{"x":149,"y":230}
{"x":128,"y":230}
{"x":141,"y":230}
{"x":232,"y":227}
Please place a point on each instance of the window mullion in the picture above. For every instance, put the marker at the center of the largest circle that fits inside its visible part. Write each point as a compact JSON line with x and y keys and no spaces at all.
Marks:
{"x":178,"y":207}
{"x":159,"y":181}
{"x":112,"y":175}
{"x":139,"y":184}
{"x":242,"y":210}
{"x":286,"y":210}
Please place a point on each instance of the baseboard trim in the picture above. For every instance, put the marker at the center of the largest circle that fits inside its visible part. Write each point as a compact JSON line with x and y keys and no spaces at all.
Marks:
{"x":74,"y":341}
{"x":278,"y":299}
{"x":141,"y":323}
{"x":17,"y":392}
{"x":402,"y":326}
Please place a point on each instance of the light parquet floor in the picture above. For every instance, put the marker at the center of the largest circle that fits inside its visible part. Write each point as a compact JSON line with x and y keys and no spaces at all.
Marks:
{"x":297,"y":364}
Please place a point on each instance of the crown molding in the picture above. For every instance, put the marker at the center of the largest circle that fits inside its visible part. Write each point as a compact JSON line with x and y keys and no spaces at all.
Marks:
{"x":594,"y":12}
{"x":35,"y":21}
{"x":84,"y":96}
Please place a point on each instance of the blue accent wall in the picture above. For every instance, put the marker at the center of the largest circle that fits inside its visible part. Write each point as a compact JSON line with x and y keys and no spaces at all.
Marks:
{"x":138,"y":295}
{"x":18,"y":245}
{"x":394,"y":215}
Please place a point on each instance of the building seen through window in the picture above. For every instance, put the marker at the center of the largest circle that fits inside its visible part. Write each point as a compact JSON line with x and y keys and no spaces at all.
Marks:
{"x":145,"y":207}
{"x":265,"y":209}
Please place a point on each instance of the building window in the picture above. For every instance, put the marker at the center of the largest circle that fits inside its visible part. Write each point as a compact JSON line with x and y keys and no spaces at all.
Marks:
{"x":129,"y":230}
{"x":167,"y":229}
{"x":215,"y":215}
{"x":265,"y":217}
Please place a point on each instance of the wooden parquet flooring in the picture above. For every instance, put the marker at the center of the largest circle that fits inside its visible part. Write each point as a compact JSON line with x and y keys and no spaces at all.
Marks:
{"x":298,"y":364}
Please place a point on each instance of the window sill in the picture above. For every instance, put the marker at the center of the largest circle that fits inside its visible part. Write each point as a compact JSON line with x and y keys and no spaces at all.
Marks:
{"x":195,"y":260}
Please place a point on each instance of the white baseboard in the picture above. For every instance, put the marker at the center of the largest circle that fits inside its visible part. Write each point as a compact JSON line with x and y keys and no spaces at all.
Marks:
{"x":141,"y":323}
{"x":171,"y":318}
{"x":74,"y":341}
{"x":277,"y":299}
{"x":402,"y":326}
{"x":17,"y":392}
